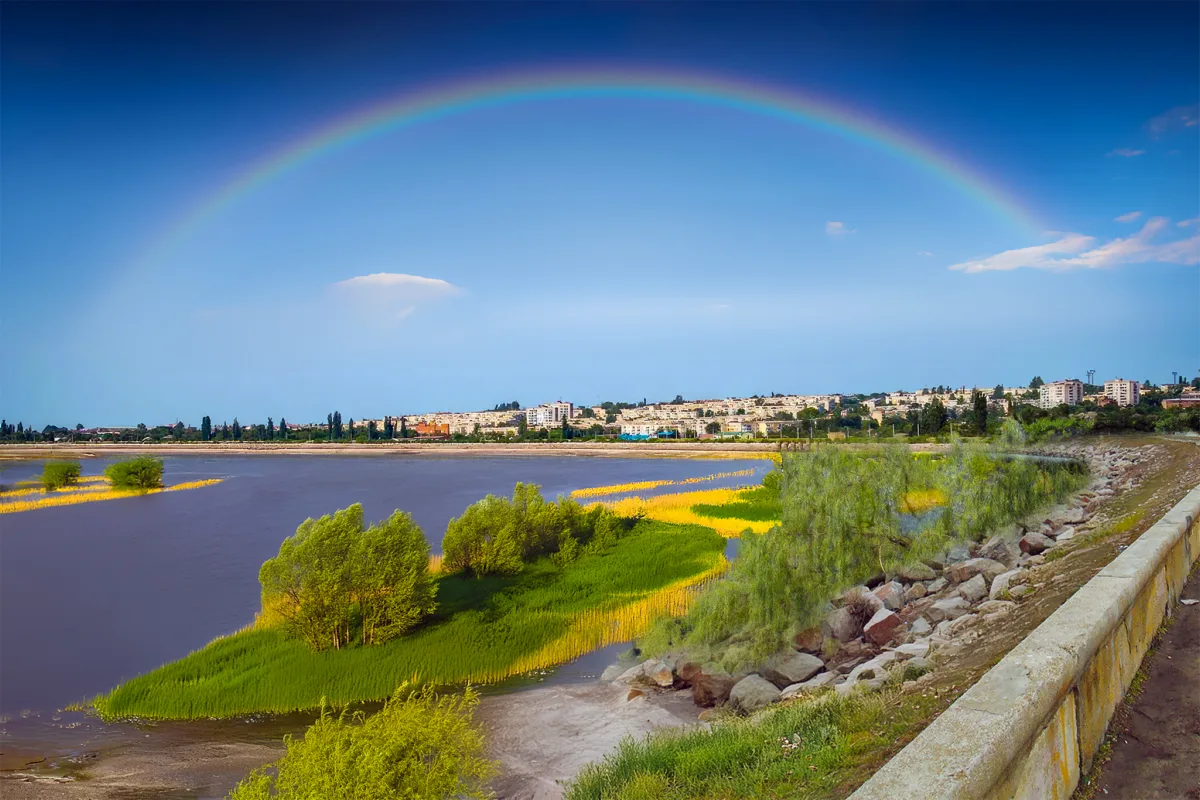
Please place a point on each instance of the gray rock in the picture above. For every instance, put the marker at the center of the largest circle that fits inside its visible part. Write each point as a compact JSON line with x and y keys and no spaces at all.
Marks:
{"x":658,"y":672}
{"x":1017,"y":592}
{"x":611,"y":673}
{"x":916,"y":572}
{"x":789,"y":667}
{"x":1034,"y":543}
{"x":842,"y":625}
{"x":877,"y":667}
{"x":892,"y":595}
{"x":1003,"y":582}
{"x":711,"y":688}
{"x":809,"y":686}
{"x":915,"y":592}
{"x":1065,"y":535}
{"x":913,"y":649}
{"x":920,"y":627}
{"x":947,"y":608}
{"x":1002,"y":549}
{"x":752,"y":693}
{"x":974,"y":590}
{"x":937,"y":585}
{"x":959,"y":552}
{"x":995,"y":607}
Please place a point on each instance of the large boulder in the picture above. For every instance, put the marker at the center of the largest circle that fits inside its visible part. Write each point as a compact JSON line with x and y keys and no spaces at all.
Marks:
{"x":973,"y":590}
{"x":809,"y":640}
{"x":752,"y":693}
{"x":965,"y":570}
{"x":1004,"y":582}
{"x":1034,"y":543}
{"x":843,"y":625}
{"x":864,"y":596}
{"x":892,"y":595}
{"x":947,"y":608}
{"x":786,"y":668}
{"x":711,"y":688}
{"x":1002,"y":549}
{"x":882,"y":627}
{"x":916,"y":572}
{"x":809,"y":686}
{"x":653,"y":672}
{"x":920,"y":627}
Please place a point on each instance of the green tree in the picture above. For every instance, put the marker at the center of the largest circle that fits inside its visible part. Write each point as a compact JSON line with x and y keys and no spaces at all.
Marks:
{"x":933,"y":417}
{"x":142,"y":472}
{"x":57,"y":474}
{"x":391,"y":579}
{"x":283,"y":429}
{"x":178,"y":431}
{"x":712,"y":427}
{"x":483,"y":541}
{"x":403,"y":428}
{"x":998,"y":392}
{"x":337,"y":425}
{"x":237,"y":429}
{"x":372,"y":431}
{"x":1036,"y":382}
{"x":417,"y":746}
{"x":270,"y":428}
{"x":206,"y":429}
{"x":329,"y":425}
{"x":980,"y":405}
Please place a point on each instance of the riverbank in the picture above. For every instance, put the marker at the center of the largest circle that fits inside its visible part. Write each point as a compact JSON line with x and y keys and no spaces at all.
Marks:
{"x":698,"y":449}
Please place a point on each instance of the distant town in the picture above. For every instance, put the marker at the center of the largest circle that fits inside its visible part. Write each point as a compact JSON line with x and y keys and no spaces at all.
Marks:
{"x":928,"y":412}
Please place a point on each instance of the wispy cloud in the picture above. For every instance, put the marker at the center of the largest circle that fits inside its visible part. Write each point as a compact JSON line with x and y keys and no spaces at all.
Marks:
{"x":1077,"y":251}
{"x":837,"y":229}
{"x":1177,"y":117}
{"x":1187,"y":223}
{"x":924,"y":253}
{"x":1130,"y":217}
{"x":393,"y":294}
{"x":1126,"y":152}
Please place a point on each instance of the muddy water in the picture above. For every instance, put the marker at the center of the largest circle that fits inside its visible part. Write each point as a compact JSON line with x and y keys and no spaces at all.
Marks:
{"x":96,"y":593}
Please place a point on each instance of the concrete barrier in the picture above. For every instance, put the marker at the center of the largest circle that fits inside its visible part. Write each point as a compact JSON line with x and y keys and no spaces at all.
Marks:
{"x":1032,"y":725}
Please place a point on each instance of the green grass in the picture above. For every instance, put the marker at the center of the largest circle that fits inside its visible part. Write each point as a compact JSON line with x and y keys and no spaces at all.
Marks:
{"x":806,"y":749}
{"x":760,"y":504}
{"x":482,"y":627}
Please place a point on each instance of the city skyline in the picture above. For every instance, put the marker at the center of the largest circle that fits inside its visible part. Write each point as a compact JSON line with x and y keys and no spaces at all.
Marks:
{"x":409,"y":206}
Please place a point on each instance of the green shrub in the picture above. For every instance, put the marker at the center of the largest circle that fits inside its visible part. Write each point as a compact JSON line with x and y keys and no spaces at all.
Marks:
{"x":142,"y":472}
{"x":334,"y":569}
{"x":57,"y":474}
{"x":419,"y":746}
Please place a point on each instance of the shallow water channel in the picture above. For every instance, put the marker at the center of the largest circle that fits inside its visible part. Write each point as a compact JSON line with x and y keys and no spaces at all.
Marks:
{"x":96,"y":593}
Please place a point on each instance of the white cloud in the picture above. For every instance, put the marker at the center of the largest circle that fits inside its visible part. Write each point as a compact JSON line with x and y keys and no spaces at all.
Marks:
{"x":1130,"y":217}
{"x":1077,"y":251}
{"x":837,"y":229}
{"x":393,"y":294}
{"x":1178,"y":117}
{"x":924,"y":253}
{"x":1185,"y":223}
{"x":1126,"y":152}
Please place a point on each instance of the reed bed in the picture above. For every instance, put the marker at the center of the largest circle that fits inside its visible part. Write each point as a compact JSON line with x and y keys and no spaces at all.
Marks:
{"x":622,"y":488}
{"x":74,"y":495}
{"x":678,"y":508}
{"x":484,"y":631}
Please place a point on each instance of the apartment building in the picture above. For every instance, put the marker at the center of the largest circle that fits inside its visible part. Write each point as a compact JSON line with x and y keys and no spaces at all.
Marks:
{"x":1123,"y":392}
{"x":1055,"y":394}
{"x":549,"y":415}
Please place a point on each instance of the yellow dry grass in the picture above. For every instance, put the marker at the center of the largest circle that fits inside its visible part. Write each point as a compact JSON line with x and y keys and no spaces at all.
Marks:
{"x":677,"y":508}
{"x":621,"y":488}
{"x":87,"y":494}
{"x":920,"y":500}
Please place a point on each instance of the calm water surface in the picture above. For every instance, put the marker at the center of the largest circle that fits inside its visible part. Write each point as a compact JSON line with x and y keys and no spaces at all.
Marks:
{"x":96,"y":593}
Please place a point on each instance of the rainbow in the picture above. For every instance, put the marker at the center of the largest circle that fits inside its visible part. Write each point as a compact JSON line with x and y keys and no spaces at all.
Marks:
{"x":417,"y":107}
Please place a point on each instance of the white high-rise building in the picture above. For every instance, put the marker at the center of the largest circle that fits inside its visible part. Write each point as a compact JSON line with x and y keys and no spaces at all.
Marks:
{"x":549,"y":415}
{"x":1054,"y":394}
{"x":1123,"y":392}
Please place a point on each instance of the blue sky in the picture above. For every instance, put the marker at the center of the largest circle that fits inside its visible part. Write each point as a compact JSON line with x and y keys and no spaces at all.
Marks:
{"x":586,"y":248}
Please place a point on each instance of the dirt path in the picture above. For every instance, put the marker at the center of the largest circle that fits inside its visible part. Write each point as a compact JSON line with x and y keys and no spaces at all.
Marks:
{"x":1156,"y":738}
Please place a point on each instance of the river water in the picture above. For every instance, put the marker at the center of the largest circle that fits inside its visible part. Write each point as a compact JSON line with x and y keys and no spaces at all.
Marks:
{"x":96,"y":593}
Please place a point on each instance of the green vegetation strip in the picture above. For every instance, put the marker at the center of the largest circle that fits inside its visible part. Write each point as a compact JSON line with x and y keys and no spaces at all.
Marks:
{"x":808,"y":748}
{"x":482,"y":626}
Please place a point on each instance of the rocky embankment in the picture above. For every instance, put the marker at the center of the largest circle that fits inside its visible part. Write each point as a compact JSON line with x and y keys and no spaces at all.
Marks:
{"x":895,"y":627}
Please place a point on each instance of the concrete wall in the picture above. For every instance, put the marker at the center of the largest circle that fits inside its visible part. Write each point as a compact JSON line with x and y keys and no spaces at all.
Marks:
{"x":1032,"y":725}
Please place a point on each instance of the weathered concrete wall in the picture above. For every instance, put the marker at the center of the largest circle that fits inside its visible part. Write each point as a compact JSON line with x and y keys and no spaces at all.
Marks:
{"x":1032,"y":725}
